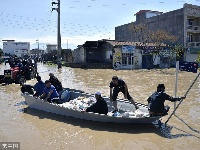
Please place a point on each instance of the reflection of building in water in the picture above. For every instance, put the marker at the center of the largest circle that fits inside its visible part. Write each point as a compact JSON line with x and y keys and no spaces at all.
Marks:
{"x":184,"y":23}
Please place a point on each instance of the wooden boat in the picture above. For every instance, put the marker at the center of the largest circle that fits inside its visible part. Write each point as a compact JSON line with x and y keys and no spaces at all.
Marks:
{"x":125,"y":115}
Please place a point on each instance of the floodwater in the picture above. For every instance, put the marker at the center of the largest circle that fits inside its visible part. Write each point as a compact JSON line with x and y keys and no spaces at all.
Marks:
{"x":39,"y":130}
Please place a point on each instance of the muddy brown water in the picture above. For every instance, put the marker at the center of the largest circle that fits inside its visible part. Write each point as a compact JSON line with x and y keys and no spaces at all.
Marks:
{"x":39,"y":130}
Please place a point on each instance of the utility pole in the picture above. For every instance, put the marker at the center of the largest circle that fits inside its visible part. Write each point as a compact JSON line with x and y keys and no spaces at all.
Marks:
{"x":67,"y":43}
{"x":58,"y":34}
{"x":38,"y":44}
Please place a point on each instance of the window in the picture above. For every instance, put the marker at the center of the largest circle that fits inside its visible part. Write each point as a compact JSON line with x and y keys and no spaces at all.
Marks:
{"x":190,"y":22}
{"x":189,"y":38}
{"x":126,"y":57}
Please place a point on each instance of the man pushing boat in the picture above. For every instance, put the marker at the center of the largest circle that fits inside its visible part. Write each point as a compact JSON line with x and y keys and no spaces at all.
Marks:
{"x":157,"y":99}
{"x":118,"y":85}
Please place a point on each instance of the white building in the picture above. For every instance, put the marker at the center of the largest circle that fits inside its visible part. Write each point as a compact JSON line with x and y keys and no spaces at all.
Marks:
{"x":16,"y":48}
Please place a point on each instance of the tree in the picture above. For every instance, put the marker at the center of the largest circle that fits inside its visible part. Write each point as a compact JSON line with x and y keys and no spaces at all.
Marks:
{"x":160,"y":36}
{"x":137,"y":31}
{"x":141,"y":32}
{"x":198,"y":58}
{"x":178,"y":51}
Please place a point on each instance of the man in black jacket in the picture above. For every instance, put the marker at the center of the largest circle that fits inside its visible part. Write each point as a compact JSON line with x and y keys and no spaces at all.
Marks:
{"x":157,"y":99}
{"x":116,"y":86}
{"x":55,"y":82}
{"x":100,"y":106}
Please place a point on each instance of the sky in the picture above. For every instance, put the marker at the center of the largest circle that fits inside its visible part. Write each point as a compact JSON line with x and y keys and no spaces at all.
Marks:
{"x":81,"y":20}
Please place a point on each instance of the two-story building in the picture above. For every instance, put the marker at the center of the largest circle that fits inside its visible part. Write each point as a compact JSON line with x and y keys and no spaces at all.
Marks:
{"x":16,"y":48}
{"x":184,"y":23}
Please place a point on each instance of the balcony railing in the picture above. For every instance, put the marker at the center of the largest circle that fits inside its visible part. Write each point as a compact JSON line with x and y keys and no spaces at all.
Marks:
{"x":193,"y":28}
{"x":193,"y":44}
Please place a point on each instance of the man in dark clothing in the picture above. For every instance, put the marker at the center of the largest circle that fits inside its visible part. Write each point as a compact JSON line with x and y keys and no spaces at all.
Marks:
{"x":119,"y":86}
{"x":55,"y":82}
{"x":20,"y":65}
{"x":157,"y":99}
{"x":27,"y":88}
{"x":100,"y":106}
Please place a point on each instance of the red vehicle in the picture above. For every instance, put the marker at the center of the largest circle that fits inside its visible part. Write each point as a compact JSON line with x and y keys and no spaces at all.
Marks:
{"x":12,"y":75}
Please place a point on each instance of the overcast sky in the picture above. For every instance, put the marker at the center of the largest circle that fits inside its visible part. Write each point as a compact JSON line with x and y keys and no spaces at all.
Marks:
{"x":81,"y":20}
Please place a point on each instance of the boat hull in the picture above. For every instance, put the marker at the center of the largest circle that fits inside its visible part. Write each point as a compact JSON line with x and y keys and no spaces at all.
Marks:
{"x":54,"y":108}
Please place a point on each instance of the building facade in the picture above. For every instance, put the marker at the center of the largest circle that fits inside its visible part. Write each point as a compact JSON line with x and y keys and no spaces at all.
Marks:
{"x":94,"y":54}
{"x":122,"y":55}
{"x":184,"y":23}
{"x":51,"y":47}
{"x":137,"y":55}
{"x":97,"y":52}
{"x":36,"y":52}
{"x":16,"y":48}
{"x":79,"y":55}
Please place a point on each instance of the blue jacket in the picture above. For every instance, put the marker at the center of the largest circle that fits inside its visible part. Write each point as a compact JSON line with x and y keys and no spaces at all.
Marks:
{"x":54,"y":94}
{"x":39,"y":87}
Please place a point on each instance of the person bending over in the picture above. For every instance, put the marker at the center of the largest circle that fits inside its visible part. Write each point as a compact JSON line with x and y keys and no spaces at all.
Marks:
{"x":116,"y":86}
{"x":100,"y":106}
{"x":49,"y":94}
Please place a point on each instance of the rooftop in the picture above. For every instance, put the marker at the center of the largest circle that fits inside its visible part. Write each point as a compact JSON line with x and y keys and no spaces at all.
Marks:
{"x":134,"y":43}
{"x":144,"y":11}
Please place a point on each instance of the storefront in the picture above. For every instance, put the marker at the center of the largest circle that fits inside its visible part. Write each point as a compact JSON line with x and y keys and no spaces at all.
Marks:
{"x":142,"y":57}
{"x":150,"y":57}
{"x":167,"y":58}
{"x":126,"y":57}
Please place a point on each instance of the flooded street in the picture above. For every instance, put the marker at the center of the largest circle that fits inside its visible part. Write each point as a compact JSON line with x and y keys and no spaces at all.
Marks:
{"x":40,"y":130}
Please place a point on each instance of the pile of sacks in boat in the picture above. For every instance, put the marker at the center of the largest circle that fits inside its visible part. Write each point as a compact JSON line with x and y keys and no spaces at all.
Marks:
{"x":81,"y":103}
{"x":129,"y":114}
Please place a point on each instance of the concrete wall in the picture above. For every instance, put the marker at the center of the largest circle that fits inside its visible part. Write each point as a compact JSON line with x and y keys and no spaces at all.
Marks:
{"x":172,"y":22}
{"x":79,"y":55}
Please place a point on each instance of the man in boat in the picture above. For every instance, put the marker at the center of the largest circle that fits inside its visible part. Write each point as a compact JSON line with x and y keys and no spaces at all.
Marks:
{"x":49,"y":93}
{"x":100,"y":106}
{"x":39,"y":87}
{"x":116,"y":86}
{"x":157,"y":99}
{"x":55,"y":82}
